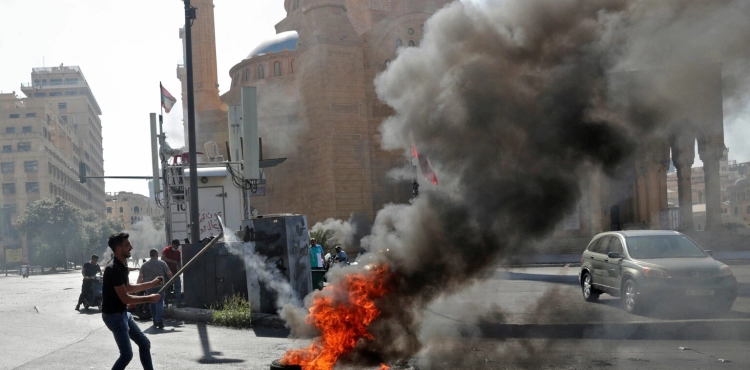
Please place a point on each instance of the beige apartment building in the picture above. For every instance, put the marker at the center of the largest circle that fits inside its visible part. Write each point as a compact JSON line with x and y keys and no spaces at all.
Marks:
{"x":130,"y":208}
{"x":44,"y":137}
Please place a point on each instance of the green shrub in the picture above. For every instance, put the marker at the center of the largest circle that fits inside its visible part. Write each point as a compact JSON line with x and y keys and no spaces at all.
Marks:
{"x":233,"y":312}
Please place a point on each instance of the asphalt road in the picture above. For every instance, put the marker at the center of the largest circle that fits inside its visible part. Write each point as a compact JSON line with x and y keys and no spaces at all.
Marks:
{"x":40,"y":330}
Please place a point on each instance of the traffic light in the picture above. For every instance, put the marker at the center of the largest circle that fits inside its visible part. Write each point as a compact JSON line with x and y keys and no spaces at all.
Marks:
{"x":82,"y":172}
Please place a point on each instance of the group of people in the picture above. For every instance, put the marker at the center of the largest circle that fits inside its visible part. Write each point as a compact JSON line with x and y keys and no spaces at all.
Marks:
{"x":118,"y":292}
{"x":317,"y":259}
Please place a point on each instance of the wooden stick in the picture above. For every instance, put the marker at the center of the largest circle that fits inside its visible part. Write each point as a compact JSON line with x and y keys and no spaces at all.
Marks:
{"x":177,"y":275}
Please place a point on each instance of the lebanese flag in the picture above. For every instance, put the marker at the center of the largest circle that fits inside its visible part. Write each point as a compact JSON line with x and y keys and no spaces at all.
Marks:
{"x":424,"y":164}
{"x":167,"y":100}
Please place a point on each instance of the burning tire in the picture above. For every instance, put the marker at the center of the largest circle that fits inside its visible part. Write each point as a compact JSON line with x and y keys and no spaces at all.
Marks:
{"x":276,"y":365}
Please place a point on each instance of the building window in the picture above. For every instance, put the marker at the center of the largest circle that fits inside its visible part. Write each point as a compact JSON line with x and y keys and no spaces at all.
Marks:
{"x":40,"y":95}
{"x":109,"y":209}
{"x":399,"y":43}
{"x":10,"y":130}
{"x":8,"y":167}
{"x":261,"y":73}
{"x":62,"y":106}
{"x":387,"y":62}
{"x":411,"y":31}
{"x":292,"y":66}
{"x":277,"y":68}
{"x":9,"y":188}
{"x":735,"y":211}
{"x":411,"y":43}
{"x":137,"y":209}
{"x":55,"y":81}
{"x":26,"y":129}
{"x":71,"y":93}
{"x":15,"y":116}
{"x":32,"y":187}
{"x":7,"y":148}
{"x":12,"y":208}
{"x":421,"y":27}
{"x":30,"y":115}
{"x":24,"y":146}
{"x":57,"y":93}
{"x":64,"y":119}
{"x":31,"y":166}
{"x":71,"y":81}
{"x":121,"y":210}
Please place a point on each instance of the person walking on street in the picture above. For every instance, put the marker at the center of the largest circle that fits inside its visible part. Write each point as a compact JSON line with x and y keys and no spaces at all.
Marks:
{"x":89,"y":270}
{"x":150,"y":270}
{"x":173,"y":257}
{"x":116,"y":289}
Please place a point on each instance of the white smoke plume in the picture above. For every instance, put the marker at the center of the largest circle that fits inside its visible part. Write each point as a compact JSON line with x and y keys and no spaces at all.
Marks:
{"x":344,"y":232}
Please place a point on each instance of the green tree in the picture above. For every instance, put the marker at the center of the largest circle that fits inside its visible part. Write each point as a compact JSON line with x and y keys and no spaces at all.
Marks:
{"x":57,"y":224}
{"x":325,"y":239}
{"x":97,"y":230}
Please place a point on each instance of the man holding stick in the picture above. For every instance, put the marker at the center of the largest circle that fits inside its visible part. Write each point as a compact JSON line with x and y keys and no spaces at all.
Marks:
{"x":116,"y":289}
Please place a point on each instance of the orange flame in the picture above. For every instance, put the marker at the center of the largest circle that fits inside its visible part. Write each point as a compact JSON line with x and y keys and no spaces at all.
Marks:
{"x":384,"y":367}
{"x":342,"y":312}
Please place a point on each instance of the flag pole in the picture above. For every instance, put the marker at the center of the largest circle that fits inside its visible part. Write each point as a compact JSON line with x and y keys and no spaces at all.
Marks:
{"x":161,"y":98}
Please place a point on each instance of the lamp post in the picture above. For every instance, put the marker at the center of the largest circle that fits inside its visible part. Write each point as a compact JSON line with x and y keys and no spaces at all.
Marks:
{"x":194,"y":225}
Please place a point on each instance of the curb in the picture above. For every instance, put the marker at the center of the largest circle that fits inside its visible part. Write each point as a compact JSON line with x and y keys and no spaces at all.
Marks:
{"x":707,"y":329}
{"x":722,"y":329}
{"x":206,"y":315}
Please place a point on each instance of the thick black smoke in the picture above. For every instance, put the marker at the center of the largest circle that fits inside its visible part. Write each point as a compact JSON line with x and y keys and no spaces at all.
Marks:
{"x":516,"y":103}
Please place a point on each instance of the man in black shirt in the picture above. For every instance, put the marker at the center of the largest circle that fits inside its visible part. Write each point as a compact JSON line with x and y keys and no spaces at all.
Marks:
{"x":116,"y":290}
{"x":89,"y":270}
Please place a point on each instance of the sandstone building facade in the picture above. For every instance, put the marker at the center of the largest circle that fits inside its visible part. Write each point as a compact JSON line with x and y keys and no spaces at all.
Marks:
{"x":44,"y":137}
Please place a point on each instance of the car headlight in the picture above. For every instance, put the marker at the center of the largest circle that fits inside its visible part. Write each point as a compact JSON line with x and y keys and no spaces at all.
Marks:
{"x":655,"y":273}
{"x":724,"y":271}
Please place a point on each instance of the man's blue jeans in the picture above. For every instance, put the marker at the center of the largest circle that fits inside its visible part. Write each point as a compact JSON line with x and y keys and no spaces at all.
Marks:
{"x":157,"y":309}
{"x":124,"y":328}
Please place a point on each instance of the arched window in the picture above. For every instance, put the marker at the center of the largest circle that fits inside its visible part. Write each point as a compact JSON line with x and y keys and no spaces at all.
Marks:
{"x":411,"y":43}
{"x":261,"y":72}
{"x":277,"y":68}
{"x":399,"y":43}
{"x":247,"y":74}
{"x":109,"y":209}
{"x":137,"y":209}
{"x":292,"y":66}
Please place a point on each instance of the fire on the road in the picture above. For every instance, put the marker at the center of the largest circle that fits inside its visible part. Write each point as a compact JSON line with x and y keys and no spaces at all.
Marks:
{"x":342,"y":312}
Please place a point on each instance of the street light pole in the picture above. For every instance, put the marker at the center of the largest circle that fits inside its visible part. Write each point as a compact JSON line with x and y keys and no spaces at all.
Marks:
{"x":194,"y":223}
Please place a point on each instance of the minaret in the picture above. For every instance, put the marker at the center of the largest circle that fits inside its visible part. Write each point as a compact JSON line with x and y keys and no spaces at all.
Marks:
{"x":210,"y":112}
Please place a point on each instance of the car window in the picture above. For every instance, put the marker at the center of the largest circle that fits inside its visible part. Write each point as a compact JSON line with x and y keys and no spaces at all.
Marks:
{"x":615,"y":245}
{"x":601,"y":245}
{"x":663,"y":246}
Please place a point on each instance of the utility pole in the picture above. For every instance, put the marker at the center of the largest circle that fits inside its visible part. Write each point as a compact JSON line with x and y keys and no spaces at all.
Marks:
{"x":195,"y":234}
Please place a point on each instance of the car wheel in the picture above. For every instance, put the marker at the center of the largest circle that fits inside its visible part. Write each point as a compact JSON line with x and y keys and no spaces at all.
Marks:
{"x":589,"y":293}
{"x":629,"y":296}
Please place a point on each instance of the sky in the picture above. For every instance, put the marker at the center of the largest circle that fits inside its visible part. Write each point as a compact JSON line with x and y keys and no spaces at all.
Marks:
{"x":124,"y":49}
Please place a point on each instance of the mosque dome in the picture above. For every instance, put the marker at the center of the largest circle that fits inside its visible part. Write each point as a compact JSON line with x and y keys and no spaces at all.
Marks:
{"x":279,"y":42}
{"x":742,"y":183}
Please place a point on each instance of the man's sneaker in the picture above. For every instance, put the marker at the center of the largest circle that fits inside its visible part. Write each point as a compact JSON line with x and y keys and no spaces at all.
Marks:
{"x":78,"y":307}
{"x":160,"y":325}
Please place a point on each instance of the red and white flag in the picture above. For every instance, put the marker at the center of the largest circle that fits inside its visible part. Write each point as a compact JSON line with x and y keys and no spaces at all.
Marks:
{"x":424,"y":164}
{"x":167,"y":100}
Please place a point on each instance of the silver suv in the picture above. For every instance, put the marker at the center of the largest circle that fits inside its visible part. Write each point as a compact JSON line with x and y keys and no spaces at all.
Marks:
{"x":644,"y":268}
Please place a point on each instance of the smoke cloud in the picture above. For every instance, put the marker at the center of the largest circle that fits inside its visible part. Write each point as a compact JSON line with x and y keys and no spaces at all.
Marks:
{"x":344,"y":232}
{"x":516,"y":103}
{"x":144,"y":236}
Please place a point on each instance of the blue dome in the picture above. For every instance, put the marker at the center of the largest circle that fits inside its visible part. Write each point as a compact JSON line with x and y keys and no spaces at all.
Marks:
{"x":280,"y":42}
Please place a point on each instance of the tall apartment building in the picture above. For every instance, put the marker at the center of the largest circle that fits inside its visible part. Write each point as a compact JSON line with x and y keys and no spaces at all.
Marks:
{"x":44,"y":137}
